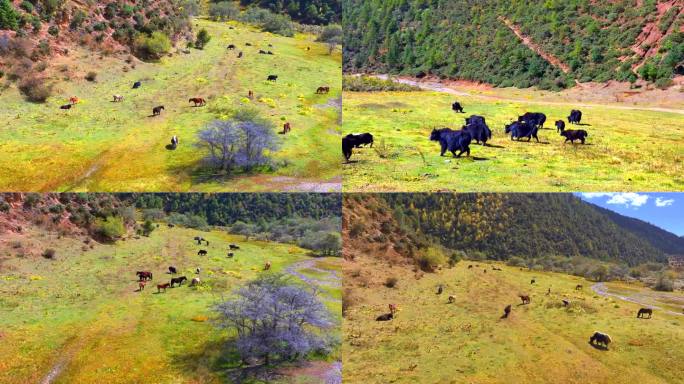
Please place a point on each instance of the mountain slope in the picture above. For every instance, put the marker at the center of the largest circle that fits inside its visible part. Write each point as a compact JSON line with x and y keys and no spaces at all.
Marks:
{"x":550,"y":44}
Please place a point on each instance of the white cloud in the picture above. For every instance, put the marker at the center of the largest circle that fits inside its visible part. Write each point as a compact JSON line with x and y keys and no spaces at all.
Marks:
{"x":593,"y":195}
{"x":660,"y":202}
{"x":629,"y":199}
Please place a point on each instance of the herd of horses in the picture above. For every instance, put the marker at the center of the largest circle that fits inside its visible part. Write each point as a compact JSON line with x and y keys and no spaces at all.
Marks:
{"x":597,"y":339}
{"x":177,"y":281}
{"x":476,"y":129}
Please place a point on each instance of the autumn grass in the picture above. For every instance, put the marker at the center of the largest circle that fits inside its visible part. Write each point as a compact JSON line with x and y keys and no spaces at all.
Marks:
{"x":105,"y":146}
{"x":431,"y":341}
{"x":627,"y":150}
{"x":82,"y":310}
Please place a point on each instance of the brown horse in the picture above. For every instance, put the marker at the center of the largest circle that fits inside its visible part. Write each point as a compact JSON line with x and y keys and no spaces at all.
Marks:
{"x":507,"y":311}
{"x":141,"y":286}
{"x":322,"y":90}
{"x":267,"y":266}
{"x":286,"y":128}
{"x":525,"y":299}
{"x":144,"y":275}
{"x":73,"y":100}
{"x":162,"y":286}
{"x":250,"y":94}
{"x":452,"y":299}
{"x":393,"y":308}
{"x":199,"y":102}
{"x":643,"y":312}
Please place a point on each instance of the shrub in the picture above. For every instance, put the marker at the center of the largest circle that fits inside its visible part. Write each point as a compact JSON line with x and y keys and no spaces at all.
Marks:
{"x":356,"y":229}
{"x":27,"y":6}
{"x":49,"y":253}
{"x":110,"y":228}
{"x":516,"y":261}
{"x":53,"y":30}
{"x":373,"y":84}
{"x":391,"y":282}
{"x":9,"y":18}
{"x":91,"y":76}
{"x":34,"y":89}
{"x":223,"y":10}
{"x":664,"y":283}
{"x":152,"y":47}
{"x":202,"y":39}
{"x":430,"y":259}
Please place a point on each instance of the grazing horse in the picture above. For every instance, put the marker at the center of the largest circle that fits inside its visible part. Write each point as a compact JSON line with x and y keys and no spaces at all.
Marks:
{"x":566,"y":303}
{"x":250,"y":94}
{"x":199,"y":102}
{"x":172,"y":270}
{"x":230,"y":254}
{"x":198,"y":270}
{"x":322,"y":90}
{"x":141,"y":285}
{"x":202,"y":252}
{"x":118,"y":98}
{"x":470,"y":267}
{"x":578,"y":287}
{"x":233,"y":246}
{"x":174,"y":141}
{"x":195,"y":281}
{"x":286,"y":128}
{"x":645,"y":311}
{"x":525,"y":299}
{"x":452,"y":299}
{"x":178,"y":280}
{"x":240,"y":55}
{"x":248,"y":44}
{"x":156,"y":111}
{"x":137,"y":85}
{"x":393,"y":308}
{"x":440,"y":289}
{"x":262,"y":52}
{"x":73,"y":100}
{"x":272,"y":78}
{"x":162,"y":286}
{"x":144,"y":275}
{"x":231,"y":47}
{"x":267,"y":266}
{"x":600,"y":338}
{"x":66,"y":106}
{"x":507,"y":311}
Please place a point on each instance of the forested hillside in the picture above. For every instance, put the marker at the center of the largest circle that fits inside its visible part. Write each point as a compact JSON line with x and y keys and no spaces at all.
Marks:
{"x":303,"y":11}
{"x":545,"y":43}
{"x":502,"y":226}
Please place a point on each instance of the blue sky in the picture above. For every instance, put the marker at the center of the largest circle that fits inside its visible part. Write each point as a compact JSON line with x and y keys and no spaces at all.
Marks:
{"x":665,"y":210}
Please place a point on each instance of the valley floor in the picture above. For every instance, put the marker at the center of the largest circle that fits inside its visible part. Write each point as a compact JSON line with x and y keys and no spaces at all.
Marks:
{"x":432,"y":341}
{"x":80,"y":318}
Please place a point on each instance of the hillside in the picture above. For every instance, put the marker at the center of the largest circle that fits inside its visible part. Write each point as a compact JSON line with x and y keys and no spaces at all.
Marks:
{"x":502,"y":226}
{"x":548,"y":44}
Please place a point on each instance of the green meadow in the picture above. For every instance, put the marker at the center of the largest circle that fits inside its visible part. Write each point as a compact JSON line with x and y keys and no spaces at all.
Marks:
{"x":80,"y":319}
{"x":627,"y":149}
{"x":432,"y":341}
{"x":100,"y":145}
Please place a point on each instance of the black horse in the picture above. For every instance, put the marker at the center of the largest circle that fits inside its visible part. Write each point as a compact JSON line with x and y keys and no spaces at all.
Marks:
{"x":156,"y":111}
{"x":172,"y":270}
{"x":178,"y":280}
{"x":202,"y":252}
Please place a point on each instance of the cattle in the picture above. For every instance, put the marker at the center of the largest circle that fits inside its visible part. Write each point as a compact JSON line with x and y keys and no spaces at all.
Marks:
{"x":440,"y":289}
{"x":230,"y":254}
{"x":578,"y":287}
{"x":525,"y":299}
{"x":452,"y":141}
{"x":287,"y":127}
{"x":566,"y":303}
{"x":355,"y":141}
{"x":385,"y":317}
{"x":118,"y":98}
{"x":233,"y":246}
{"x":457,"y":107}
{"x":572,"y":135}
{"x":198,"y":101}
{"x":178,"y":280}
{"x":156,"y":111}
{"x":560,"y":125}
{"x":518,"y":130}
{"x":479,"y":131}
{"x":267,"y":266}
{"x":272,"y":78}
{"x":202,"y":252}
{"x":240,"y":55}
{"x":643,"y":312}
{"x":144,"y":275}
{"x":262,"y":52}
{"x":197,"y":271}
{"x":269,"y":53}
{"x":452,"y":299}
{"x":195,"y":281}
{"x":362,"y":139}
{"x":73,"y":100}
{"x":322,"y":90}
{"x":599,"y":338}
{"x":470,"y":267}
{"x":535,"y":118}
{"x":174,"y":141}
{"x":575,"y":116}
{"x":250,"y":94}
{"x":231,"y":47}
{"x":173,"y":270}
{"x":533,"y":281}
{"x":475,"y":119}
{"x":137,"y":85}
{"x":248,"y":44}
{"x":507,"y":312}
{"x":65,"y":106}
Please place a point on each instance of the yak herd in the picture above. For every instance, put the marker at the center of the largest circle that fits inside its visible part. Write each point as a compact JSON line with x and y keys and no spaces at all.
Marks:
{"x":476,"y":129}
{"x":176,"y":281}
{"x":598,"y":339}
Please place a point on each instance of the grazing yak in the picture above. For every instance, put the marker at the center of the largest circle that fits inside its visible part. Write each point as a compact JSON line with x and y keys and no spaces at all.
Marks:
{"x":144,"y":275}
{"x":385,"y":317}
{"x":66,"y":106}
{"x":507,"y":311}
{"x":322,"y":90}
{"x":230,"y":254}
{"x":137,"y":85}
{"x":355,"y":141}
{"x":572,"y":135}
{"x":440,"y":289}
{"x":233,"y":246}
{"x":198,"y":101}
{"x":578,"y":287}
{"x":518,"y":130}
{"x":262,"y":52}
{"x":118,"y":98}
{"x":156,"y":111}
{"x":457,"y":107}
{"x":478,"y":129}
{"x":575,"y":116}
{"x":272,"y":78}
{"x":560,"y":125}
{"x":231,"y":47}
{"x":525,"y":299}
{"x":599,"y":338}
{"x":535,"y":118}
{"x":362,"y":139}
{"x":178,"y":280}
{"x":240,"y":55}
{"x":645,"y":311}
{"x":533,"y":281}
{"x":566,"y":303}
{"x":202,"y":252}
{"x":173,"y":270}
{"x":452,"y":140}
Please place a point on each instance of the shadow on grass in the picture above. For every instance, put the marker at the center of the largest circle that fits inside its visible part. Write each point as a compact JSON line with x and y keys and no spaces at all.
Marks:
{"x":599,"y":347}
{"x":494,"y":146}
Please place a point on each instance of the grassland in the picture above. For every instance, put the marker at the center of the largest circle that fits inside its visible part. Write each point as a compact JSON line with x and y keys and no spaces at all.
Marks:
{"x":431,"y":341}
{"x":627,"y":149}
{"x":104,"y":146}
{"x":79,"y":318}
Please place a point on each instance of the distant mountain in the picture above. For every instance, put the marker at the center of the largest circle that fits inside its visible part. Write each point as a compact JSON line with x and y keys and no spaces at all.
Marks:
{"x":502,"y":226}
{"x":545,"y":43}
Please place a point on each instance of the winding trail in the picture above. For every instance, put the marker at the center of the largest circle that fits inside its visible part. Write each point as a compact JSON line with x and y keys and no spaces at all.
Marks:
{"x":601,"y":290}
{"x":439,"y":87}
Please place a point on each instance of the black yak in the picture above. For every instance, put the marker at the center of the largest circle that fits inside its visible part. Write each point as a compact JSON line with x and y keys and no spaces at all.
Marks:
{"x":645,"y":311}
{"x":452,"y":140}
{"x":272,"y":78}
{"x":535,"y":118}
{"x":519,"y":130}
{"x":479,"y":131}
{"x":172,"y":270}
{"x":456,"y":107}
{"x":202,"y":252}
{"x":475,"y":119}
{"x":137,"y":85}
{"x":573,"y":135}
{"x":507,"y":312}
{"x":599,"y":338}
{"x":362,"y":139}
{"x":575,"y":116}
{"x":560,"y":125}
{"x":156,"y":111}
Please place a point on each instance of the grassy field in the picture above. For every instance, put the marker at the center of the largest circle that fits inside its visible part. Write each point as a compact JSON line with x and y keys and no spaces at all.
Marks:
{"x":79,"y":318}
{"x":628,"y":150}
{"x":105,"y":146}
{"x":431,"y":341}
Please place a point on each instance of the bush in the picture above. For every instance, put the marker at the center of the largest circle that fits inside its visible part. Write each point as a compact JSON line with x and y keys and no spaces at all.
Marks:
{"x":110,"y":228}
{"x":53,"y":30}
{"x":91,"y":76}
{"x":152,"y":47}
{"x":223,"y":10}
{"x":373,"y":84}
{"x":202,"y":39}
{"x":34,"y":89}
{"x":516,"y":261}
{"x":27,"y":6}
{"x":9,"y":18}
{"x":356,"y":229}
{"x":430,"y":259}
{"x":391,"y":282}
{"x":664,"y":283}
{"x":49,"y":253}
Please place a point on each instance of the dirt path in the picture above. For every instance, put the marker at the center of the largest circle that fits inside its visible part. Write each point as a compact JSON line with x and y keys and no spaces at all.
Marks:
{"x":439,"y":87}
{"x":553,"y":60}
{"x":601,"y":290}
